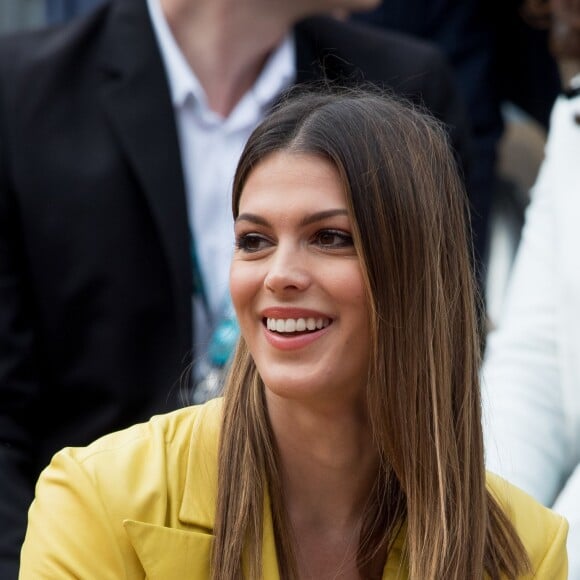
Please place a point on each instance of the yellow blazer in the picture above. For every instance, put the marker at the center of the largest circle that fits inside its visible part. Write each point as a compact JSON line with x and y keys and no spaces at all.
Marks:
{"x":140,"y":503}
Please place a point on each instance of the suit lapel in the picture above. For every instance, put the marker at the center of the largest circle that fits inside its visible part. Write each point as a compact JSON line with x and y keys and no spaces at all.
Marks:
{"x":135,"y":94}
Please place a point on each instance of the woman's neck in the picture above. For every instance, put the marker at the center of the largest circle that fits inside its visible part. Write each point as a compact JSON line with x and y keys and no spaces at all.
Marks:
{"x":328,"y":461}
{"x":328,"y":467}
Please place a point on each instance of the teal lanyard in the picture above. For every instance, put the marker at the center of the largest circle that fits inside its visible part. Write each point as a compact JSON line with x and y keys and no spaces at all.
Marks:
{"x":224,"y":336}
{"x":226,"y":331}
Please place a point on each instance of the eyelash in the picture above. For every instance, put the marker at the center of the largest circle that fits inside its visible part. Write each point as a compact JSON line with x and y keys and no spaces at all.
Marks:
{"x":345,"y":240}
{"x":243,"y":241}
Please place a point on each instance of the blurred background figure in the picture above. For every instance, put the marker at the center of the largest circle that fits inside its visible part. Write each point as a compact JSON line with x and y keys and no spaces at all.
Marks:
{"x":62,"y":10}
{"x":463,"y":31}
{"x":20,"y":14}
{"x":531,"y":372}
{"x":509,"y":79}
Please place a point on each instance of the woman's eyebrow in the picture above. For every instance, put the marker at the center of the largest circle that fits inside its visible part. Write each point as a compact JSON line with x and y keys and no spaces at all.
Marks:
{"x":310,"y":219}
{"x":253,"y":218}
{"x":322,"y":215}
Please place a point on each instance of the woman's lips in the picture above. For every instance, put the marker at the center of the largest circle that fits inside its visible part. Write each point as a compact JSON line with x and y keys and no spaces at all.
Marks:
{"x":292,"y":329}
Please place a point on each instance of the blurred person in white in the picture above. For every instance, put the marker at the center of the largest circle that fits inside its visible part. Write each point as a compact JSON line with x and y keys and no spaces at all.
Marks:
{"x":531,"y":371}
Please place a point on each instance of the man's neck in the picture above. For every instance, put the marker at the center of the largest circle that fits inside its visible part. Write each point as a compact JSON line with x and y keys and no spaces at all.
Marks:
{"x":226,"y":43}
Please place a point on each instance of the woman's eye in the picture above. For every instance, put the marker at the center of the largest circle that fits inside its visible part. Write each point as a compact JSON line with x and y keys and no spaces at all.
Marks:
{"x":251,"y":242}
{"x":333,"y":239}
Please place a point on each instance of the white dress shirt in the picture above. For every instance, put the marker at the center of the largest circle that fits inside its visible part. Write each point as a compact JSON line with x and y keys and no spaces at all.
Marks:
{"x":531,"y":372}
{"x":210,"y":149}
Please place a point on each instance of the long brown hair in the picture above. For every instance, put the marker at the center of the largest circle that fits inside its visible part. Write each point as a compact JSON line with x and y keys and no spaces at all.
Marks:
{"x":408,"y":211}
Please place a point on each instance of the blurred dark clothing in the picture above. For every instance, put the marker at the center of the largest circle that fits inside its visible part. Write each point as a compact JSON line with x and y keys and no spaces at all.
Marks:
{"x":527,"y":73}
{"x":496,"y":56}
{"x":63,"y":10}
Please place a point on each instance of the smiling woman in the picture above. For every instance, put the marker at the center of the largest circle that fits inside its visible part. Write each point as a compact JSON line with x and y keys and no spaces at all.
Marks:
{"x":348,"y":442}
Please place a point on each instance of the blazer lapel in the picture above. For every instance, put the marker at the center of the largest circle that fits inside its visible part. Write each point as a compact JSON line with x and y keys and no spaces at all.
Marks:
{"x":170,"y":553}
{"x":197,"y":509}
{"x":184,"y":550}
{"x":135,"y":94}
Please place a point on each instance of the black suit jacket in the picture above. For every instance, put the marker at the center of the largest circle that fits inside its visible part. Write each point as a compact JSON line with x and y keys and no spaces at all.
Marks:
{"x":95,"y":272}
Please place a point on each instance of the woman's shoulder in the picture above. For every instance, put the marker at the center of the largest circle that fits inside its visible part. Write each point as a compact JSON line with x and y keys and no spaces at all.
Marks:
{"x":542,"y":531}
{"x":102,"y":510}
{"x":151,"y":459}
{"x":167,"y":434}
{"x":139,"y":473}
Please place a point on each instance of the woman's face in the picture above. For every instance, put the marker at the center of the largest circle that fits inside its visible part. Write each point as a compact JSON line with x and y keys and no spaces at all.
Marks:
{"x":296,"y":281}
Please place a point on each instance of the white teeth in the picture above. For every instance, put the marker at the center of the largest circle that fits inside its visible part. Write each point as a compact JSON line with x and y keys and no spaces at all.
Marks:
{"x":296,"y":324}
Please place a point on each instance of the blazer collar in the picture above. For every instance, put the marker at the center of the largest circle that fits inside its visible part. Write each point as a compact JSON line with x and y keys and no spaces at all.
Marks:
{"x":185,"y":553}
{"x":199,"y":499}
{"x":200,"y":492}
{"x":169,"y":552}
{"x":172,"y":553}
{"x":135,"y":96}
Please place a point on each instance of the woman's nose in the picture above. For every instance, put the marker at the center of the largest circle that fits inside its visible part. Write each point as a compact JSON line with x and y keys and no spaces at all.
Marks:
{"x":288,"y":270}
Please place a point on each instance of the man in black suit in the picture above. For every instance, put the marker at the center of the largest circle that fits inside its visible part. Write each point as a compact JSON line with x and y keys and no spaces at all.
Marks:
{"x":96,"y":312}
